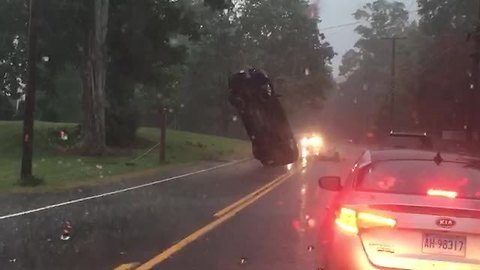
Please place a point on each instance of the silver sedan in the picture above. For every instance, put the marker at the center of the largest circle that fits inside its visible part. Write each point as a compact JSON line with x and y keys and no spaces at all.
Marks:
{"x":404,"y":209}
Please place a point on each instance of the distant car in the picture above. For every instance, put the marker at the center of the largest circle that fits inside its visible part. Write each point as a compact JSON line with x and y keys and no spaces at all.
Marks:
{"x":253,"y":95}
{"x":408,"y":140}
{"x":314,"y":145}
{"x":404,"y":209}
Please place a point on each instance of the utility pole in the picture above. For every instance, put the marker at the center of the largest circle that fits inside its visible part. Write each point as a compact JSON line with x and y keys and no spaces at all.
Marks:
{"x":475,"y":84}
{"x":393,"y":71}
{"x":27,"y":139}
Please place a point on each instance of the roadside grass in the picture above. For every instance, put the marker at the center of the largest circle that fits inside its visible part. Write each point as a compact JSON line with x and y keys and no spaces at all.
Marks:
{"x":63,"y":169}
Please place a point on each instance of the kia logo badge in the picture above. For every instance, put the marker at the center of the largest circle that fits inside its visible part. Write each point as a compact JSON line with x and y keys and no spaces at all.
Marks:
{"x":446,"y":222}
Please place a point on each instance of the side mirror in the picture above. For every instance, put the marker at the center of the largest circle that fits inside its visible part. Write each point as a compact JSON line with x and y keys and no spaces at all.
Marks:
{"x":331,"y":183}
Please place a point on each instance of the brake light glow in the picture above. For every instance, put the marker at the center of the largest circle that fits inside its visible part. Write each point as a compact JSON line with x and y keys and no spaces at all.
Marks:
{"x":376,"y":220}
{"x":352,"y":221}
{"x":347,"y":220}
{"x":442,"y":193}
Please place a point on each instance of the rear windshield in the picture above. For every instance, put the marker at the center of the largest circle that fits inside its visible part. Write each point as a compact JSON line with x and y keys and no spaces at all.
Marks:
{"x":408,"y":142}
{"x":418,"y":177}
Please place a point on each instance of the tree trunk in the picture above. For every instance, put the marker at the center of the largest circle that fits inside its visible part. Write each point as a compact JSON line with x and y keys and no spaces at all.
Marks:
{"x":27,"y":142}
{"x":93,"y":79}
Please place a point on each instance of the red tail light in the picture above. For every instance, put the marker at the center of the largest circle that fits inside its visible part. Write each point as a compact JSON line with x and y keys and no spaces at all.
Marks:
{"x":442,"y":193}
{"x":352,"y":221}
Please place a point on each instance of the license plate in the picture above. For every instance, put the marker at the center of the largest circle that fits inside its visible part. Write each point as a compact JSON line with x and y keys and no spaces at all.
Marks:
{"x":442,"y":244}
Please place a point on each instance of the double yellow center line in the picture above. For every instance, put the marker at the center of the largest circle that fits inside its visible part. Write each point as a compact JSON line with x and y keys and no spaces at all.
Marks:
{"x":222,"y":216}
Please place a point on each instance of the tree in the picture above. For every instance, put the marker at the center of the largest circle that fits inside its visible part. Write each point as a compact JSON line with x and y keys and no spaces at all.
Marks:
{"x":367,"y":66}
{"x":94,"y":71}
{"x":439,"y":17}
{"x":13,"y":55}
{"x":285,"y":41}
{"x":278,"y":36}
{"x":210,"y":62}
{"x":442,"y":99}
{"x":147,"y":41}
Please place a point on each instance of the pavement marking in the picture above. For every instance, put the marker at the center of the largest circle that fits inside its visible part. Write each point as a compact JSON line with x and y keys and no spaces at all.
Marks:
{"x":246,"y":198}
{"x":106,"y":194}
{"x":254,"y":196}
{"x":127,"y":266}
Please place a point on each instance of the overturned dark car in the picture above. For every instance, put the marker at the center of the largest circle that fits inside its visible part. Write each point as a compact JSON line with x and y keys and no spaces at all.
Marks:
{"x":253,"y":96}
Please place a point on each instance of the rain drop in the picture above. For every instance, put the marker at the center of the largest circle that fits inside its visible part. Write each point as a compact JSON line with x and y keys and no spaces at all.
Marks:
{"x":310,"y":248}
{"x":12,"y":260}
{"x":243,"y":260}
{"x":311,"y":223}
{"x":99,"y":166}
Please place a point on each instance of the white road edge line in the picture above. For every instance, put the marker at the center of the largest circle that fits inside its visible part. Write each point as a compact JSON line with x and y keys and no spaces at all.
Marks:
{"x":120,"y":190}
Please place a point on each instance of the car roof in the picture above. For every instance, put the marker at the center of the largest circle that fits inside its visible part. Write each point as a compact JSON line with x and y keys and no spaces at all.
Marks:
{"x":409,"y":134}
{"x":373,"y":156}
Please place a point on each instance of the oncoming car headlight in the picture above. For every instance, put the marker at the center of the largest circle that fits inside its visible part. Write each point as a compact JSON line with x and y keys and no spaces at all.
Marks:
{"x":316,"y":141}
{"x":311,"y":145}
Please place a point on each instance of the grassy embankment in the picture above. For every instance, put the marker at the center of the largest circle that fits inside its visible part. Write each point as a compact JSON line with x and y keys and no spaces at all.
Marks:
{"x":62,"y":169}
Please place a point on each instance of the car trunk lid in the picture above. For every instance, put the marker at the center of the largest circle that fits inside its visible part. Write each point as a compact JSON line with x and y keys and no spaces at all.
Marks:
{"x":429,"y":232}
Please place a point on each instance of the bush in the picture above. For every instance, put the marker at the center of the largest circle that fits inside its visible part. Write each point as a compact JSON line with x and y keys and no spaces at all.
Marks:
{"x":121,"y":125}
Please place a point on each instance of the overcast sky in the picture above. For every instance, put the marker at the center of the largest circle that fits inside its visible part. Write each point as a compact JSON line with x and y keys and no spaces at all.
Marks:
{"x":338,"y":12}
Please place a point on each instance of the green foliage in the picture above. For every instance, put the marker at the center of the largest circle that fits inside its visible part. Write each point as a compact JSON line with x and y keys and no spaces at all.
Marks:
{"x":278,"y":36}
{"x":432,"y":65}
{"x":447,"y":16}
{"x":167,"y":54}
{"x":218,"y":4}
{"x":13,"y":31}
{"x":145,"y":43}
{"x":367,"y":66}
{"x":441,"y":86}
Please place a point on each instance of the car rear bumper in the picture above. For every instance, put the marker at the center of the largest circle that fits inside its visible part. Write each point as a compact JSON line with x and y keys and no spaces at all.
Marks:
{"x":346,"y":252}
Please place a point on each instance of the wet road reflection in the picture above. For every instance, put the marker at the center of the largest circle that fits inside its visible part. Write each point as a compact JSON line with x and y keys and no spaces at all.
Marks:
{"x":278,"y":231}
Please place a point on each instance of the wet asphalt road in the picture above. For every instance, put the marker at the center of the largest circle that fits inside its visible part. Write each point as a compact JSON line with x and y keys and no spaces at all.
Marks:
{"x":278,"y":231}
